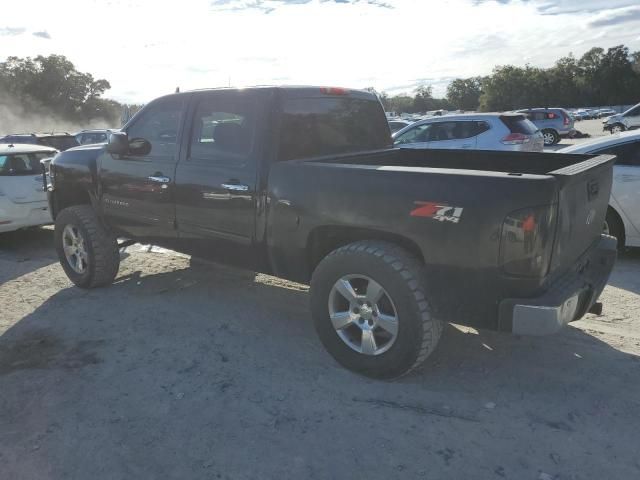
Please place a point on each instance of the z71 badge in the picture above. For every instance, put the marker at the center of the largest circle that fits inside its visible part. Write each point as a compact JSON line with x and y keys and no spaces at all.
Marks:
{"x":438,"y":211}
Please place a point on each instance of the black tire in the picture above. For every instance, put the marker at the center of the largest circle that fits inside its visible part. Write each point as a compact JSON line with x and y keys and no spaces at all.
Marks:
{"x":617,"y":128}
{"x":103,"y":258}
{"x":551,"y":137}
{"x":402,"y":277}
{"x":615,"y":227}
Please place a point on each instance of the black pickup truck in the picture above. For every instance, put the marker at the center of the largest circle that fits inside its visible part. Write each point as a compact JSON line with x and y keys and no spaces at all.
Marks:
{"x":303,"y":183}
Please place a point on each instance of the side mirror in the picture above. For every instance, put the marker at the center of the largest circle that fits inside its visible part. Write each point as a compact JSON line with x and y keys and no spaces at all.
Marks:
{"x":118,"y":143}
{"x":139,"y":146}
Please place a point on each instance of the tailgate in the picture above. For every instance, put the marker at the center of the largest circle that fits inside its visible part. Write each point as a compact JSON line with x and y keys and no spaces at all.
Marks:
{"x":583,"y":198}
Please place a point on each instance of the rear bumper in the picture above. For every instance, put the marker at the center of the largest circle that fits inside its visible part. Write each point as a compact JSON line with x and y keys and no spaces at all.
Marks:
{"x":567,"y":299}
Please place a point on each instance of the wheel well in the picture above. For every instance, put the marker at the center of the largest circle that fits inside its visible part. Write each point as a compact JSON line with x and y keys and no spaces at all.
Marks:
{"x":324,"y":240}
{"x":614,"y":212}
{"x":69,"y":198}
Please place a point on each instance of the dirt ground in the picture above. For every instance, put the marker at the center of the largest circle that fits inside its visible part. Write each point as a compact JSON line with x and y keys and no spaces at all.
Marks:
{"x":591,"y":127}
{"x":185,"y":370}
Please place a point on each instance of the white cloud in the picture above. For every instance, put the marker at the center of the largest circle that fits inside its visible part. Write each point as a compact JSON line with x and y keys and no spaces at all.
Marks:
{"x":148,"y":47}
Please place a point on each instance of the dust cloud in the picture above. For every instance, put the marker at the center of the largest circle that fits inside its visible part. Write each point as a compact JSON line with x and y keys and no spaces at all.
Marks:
{"x":16,"y":117}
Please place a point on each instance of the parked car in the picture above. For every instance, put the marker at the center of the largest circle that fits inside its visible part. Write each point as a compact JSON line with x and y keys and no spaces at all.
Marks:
{"x":583,"y":114}
{"x":396,"y":125}
{"x":605,"y":113}
{"x":628,"y":120}
{"x":59,"y":141}
{"x":554,"y":123}
{"x":302,"y":183}
{"x":23,"y":202}
{"x":623,"y":215}
{"x":89,"y":137}
{"x":593,"y":113}
{"x":473,"y":131}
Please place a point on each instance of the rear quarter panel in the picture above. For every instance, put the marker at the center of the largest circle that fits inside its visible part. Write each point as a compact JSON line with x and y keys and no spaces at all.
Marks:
{"x":462,"y":257}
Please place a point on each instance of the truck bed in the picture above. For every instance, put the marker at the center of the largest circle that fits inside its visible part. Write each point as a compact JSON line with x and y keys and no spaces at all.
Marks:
{"x":582,"y":184}
{"x":379,"y":192}
{"x":531,"y":163}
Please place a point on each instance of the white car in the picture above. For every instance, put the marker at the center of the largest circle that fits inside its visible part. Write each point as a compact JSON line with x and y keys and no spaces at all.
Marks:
{"x":623,"y":216}
{"x":473,"y":131}
{"x":628,"y":120}
{"x":23,"y":202}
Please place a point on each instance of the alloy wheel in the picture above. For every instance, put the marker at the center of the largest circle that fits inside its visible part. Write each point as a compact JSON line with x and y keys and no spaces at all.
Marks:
{"x":363,"y":314}
{"x":74,"y":249}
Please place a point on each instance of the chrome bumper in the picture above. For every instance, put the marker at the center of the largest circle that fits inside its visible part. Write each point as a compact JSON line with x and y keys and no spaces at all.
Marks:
{"x":567,"y":299}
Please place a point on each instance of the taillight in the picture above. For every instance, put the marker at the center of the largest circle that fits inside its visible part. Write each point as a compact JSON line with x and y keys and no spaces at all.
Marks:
{"x":334,"y":91}
{"x":526,"y":242}
{"x":565,"y":120}
{"x":516,"y":139}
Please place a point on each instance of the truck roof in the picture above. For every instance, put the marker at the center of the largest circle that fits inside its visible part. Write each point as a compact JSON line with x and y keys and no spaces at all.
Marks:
{"x":291,"y":91}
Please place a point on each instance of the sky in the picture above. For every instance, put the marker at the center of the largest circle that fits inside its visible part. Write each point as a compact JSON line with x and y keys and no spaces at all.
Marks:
{"x":146,"y":48}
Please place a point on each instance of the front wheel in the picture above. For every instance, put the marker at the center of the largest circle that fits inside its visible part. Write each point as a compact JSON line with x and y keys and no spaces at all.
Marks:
{"x":617,"y":128}
{"x":370,"y":309}
{"x":551,"y":137}
{"x":87,"y":252}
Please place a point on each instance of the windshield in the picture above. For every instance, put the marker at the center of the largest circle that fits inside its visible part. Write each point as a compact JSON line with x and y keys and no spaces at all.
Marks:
{"x":633,"y":112}
{"x":22,"y":163}
{"x":328,"y":126}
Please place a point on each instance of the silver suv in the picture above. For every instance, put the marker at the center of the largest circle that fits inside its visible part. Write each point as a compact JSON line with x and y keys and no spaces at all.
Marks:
{"x":629,"y":120}
{"x":472,"y":131}
{"x":554,"y":123}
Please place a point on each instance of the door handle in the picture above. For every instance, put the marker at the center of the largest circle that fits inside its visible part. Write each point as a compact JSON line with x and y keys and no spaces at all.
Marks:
{"x":159,"y":179}
{"x":467,"y":145}
{"x":235,"y":187}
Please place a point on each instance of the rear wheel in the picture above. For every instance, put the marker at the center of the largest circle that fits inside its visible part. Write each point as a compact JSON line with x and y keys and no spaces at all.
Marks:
{"x":613,"y":226}
{"x":551,"y":137}
{"x":370,"y":309}
{"x":88,"y":253}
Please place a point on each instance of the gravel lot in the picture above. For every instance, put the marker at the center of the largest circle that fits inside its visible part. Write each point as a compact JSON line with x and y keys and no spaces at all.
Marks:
{"x":188,"y":370}
{"x":591,"y":127}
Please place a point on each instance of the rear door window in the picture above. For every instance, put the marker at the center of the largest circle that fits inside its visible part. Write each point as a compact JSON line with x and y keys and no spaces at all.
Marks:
{"x":223,"y":129}
{"x":319,"y":126}
{"x":459,"y":130}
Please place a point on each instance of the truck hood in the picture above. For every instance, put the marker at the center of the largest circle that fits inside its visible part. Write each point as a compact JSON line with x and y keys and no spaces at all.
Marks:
{"x":79,"y":155}
{"x":612,"y":119}
{"x":93,"y":146}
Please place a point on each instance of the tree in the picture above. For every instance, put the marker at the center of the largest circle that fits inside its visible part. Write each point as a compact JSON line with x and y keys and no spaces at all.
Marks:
{"x":598,"y":78}
{"x":635,"y":62}
{"x":422,"y":101}
{"x":52,"y":84}
{"x":464,"y":93}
